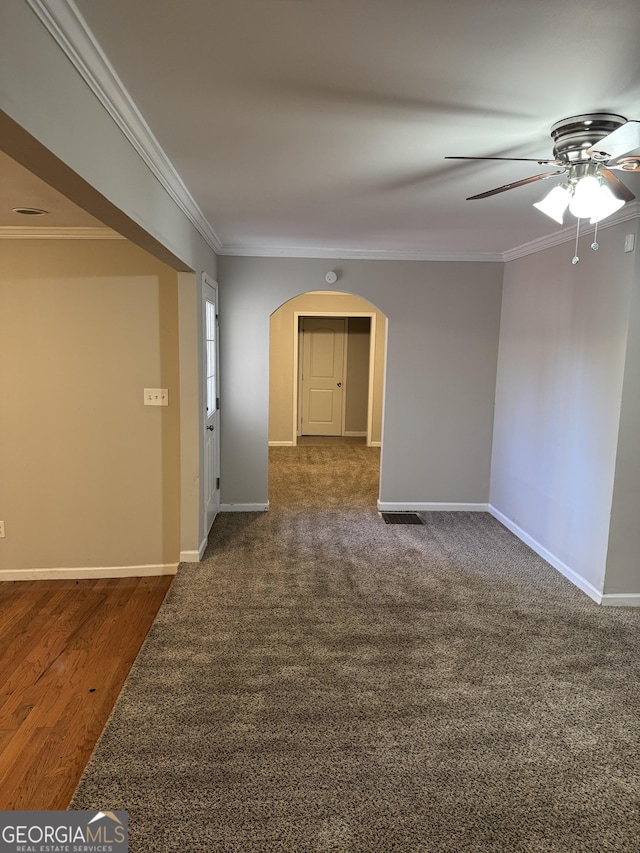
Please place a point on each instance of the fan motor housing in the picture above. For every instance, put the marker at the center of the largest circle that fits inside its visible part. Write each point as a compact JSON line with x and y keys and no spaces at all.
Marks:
{"x":573,"y":136}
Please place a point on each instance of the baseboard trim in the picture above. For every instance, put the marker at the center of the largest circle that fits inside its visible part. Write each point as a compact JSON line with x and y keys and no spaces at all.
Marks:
{"x":190,"y":557}
{"x":194,"y":556}
{"x":280,"y":444}
{"x":244,"y":507}
{"x":405,"y":506}
{"x":567,"y":572}
{"x":621,"y":599}
{"x":354,"y":434}
{"x":375,"y":444}
{"x":203,"y":547}
{"x":83,"y":573}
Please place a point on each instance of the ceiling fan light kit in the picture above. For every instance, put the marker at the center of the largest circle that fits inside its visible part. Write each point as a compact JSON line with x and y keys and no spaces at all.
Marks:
{"x":586,"y":149}
{"x":606,"y":204}
{"x":585,"y":194}
{"x":555,"y":202}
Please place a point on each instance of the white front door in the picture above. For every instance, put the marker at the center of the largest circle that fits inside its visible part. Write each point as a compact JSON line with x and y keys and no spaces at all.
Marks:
{"x":212,"y":402}
{"x":322,"y":375}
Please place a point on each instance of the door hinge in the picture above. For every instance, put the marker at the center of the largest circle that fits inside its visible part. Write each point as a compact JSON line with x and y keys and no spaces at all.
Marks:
{"x":217,"y":402}
{"x":217,"y":484}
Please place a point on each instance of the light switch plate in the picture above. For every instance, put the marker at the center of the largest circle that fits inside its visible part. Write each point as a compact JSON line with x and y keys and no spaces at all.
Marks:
{"x":629,"y":241}
{"x":156,"y":396}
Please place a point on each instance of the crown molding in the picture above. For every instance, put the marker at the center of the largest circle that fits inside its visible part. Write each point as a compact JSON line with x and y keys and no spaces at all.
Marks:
{"x":358,"y":254}
{"x":568,"y":235}
{"x":31,"y":232}
{"x":67,"y":26}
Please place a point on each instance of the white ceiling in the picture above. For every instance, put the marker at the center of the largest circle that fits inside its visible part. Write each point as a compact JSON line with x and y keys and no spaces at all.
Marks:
{"x":323,"y":124}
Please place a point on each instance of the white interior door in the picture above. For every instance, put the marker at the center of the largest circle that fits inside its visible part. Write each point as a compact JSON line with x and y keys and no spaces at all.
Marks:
{"x":212,"y":402}
{"x":322,"y":375}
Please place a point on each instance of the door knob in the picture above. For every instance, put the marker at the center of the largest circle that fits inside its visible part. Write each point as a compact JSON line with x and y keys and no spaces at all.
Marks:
{"x":339,"y":384}
{"x":210,"y":427}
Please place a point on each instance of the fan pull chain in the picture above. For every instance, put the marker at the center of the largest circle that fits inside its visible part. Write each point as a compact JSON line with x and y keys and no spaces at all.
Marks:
{"x":575,"y":258}
{"x":595,"y":245}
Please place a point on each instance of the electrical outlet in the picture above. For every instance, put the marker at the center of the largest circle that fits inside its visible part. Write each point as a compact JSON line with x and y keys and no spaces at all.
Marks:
{"x":156,"y":397}
{"x":2,"y":533}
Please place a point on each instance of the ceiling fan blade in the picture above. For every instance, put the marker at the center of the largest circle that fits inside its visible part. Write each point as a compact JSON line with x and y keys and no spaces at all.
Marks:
{"x":515,"y":184}
{"x":621,"y":141}
{"x":616,"y":186}
{"x":540,"y":162}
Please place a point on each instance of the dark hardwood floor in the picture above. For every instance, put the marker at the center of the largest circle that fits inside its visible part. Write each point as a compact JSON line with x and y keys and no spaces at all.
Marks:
{"x":66,"y":648}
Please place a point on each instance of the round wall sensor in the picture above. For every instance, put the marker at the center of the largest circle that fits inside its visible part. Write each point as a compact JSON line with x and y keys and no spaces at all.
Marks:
{"x":331,"y":278}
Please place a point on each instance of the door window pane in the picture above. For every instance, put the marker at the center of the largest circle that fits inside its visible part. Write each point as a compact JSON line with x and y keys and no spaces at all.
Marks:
{"x":210,"y":343}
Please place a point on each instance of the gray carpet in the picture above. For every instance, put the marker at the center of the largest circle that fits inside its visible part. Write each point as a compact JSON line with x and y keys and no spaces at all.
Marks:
{"x":326,"y":682}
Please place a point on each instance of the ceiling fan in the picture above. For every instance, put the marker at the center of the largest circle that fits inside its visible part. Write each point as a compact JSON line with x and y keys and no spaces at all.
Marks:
{"x":587,"y":148}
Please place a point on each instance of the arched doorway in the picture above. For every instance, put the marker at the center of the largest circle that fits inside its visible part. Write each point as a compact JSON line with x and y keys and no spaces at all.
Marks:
{"x":342,"y":407}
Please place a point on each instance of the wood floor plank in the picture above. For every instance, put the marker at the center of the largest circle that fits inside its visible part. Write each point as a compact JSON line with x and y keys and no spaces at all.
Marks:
{"x":15,"y":607}
{"x":40,"y":652}
{"x":42,"y":627}
{"x":66,"y":648}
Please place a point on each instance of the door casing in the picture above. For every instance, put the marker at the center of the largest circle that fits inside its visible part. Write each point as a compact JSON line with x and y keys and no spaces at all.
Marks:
{"x":296,"y":362}
{"x":211,"y":437}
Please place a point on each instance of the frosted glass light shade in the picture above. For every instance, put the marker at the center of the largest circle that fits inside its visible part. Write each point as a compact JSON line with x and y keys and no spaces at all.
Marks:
{"x":555,"y":203}
{"x":585,"y":197}
{"x":607,"y":204}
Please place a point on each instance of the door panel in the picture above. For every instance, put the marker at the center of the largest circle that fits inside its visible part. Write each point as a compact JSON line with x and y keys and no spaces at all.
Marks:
{"x":322,"y":353}
{"x":321,"y":408}
{"x":322,"y":375}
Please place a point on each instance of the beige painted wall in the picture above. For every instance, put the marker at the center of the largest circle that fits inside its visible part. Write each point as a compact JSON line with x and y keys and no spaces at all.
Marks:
{"x":281,"y":357}
{"x":89,"y":477}
{"x":357,"y":374}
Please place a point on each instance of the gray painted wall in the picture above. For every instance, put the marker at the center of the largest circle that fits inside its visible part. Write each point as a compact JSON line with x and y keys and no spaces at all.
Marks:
{"x":623,"y":559}
{"x":441,"y":365}
{"x":559,"y":387}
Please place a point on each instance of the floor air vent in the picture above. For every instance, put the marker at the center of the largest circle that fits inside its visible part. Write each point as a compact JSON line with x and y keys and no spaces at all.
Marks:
{"x":402,"y":518}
